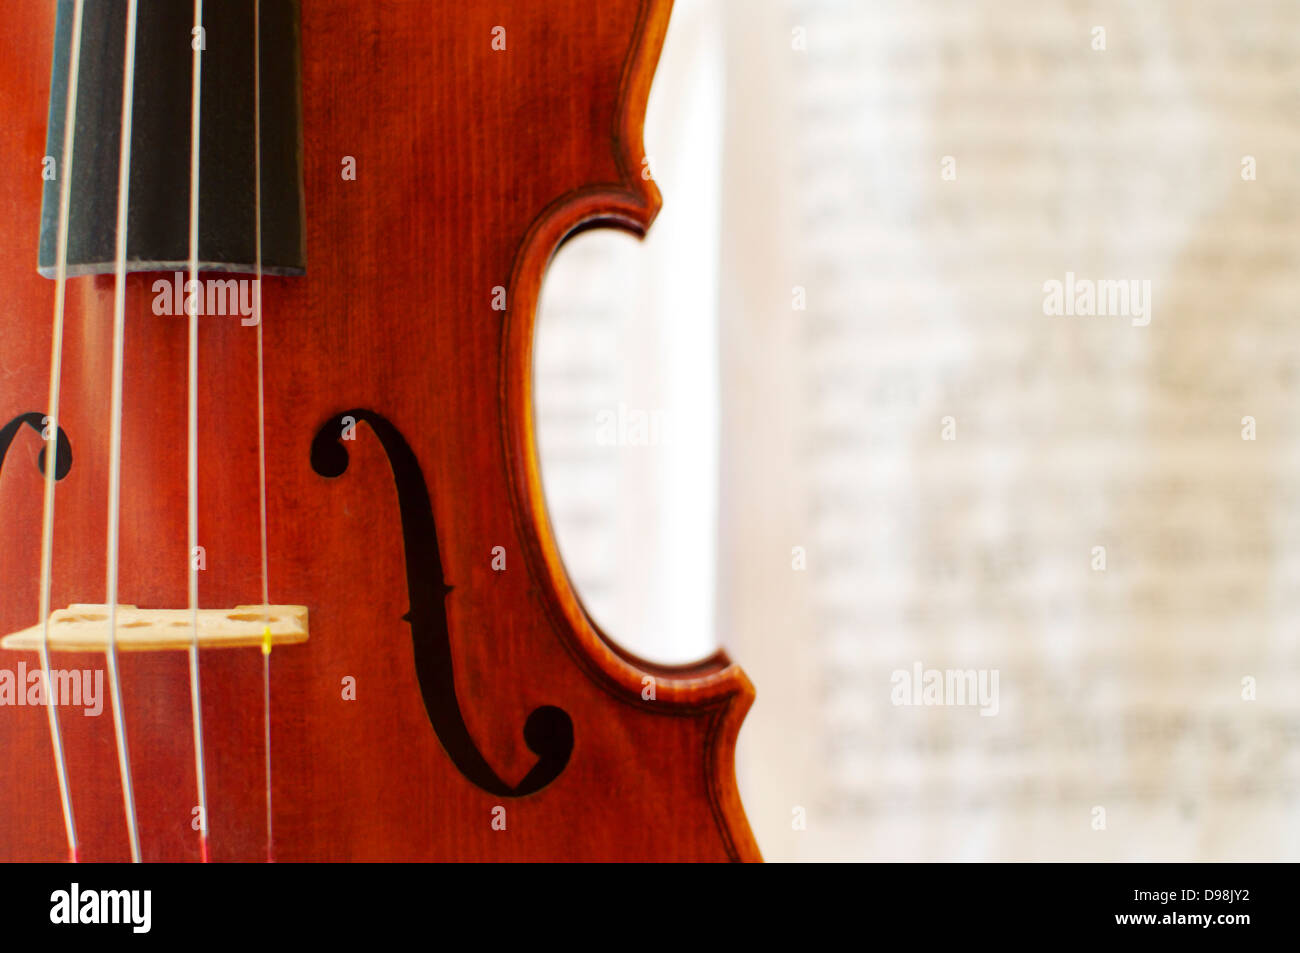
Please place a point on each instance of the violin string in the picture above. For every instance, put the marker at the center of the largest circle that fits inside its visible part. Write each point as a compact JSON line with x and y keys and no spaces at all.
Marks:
{"x":52,"y":423}
{"x":261,"y":420}
{"x":196,"y":702}
{"x":115,"y":439}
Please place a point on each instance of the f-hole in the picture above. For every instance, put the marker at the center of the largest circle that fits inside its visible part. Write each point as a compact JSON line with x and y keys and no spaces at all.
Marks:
{"x":62,"y":456}
{"x":548,"y":731}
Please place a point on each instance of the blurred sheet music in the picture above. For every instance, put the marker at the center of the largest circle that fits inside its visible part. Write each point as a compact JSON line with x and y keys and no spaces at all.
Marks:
{"x":920,"y":170}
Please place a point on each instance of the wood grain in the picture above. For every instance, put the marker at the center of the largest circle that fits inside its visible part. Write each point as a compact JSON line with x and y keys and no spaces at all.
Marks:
{"x":473,"y":165}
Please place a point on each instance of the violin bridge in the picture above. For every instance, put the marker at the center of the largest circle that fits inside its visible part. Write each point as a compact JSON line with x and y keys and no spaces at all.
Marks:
{"x":84,"y":628}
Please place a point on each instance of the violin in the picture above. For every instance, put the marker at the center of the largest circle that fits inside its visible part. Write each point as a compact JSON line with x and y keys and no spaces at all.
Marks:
{"x":279,"y":581}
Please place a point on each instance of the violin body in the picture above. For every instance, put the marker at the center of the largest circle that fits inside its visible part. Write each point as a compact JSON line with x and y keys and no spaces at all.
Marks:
{"x":453,"y":701}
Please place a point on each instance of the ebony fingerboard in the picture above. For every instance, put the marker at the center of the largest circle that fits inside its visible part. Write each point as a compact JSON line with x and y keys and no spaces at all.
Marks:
{"x":158,"y":216}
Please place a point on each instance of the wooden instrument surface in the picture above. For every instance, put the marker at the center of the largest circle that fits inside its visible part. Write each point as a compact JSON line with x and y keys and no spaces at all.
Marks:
{"x":472,"y":166}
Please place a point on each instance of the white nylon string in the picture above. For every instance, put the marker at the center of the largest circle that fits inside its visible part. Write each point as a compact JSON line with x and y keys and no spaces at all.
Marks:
{"x":196,"y":703}
{"x":51,"y":426}
{"x":115,"y":440}
{"x":261,"y":415}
